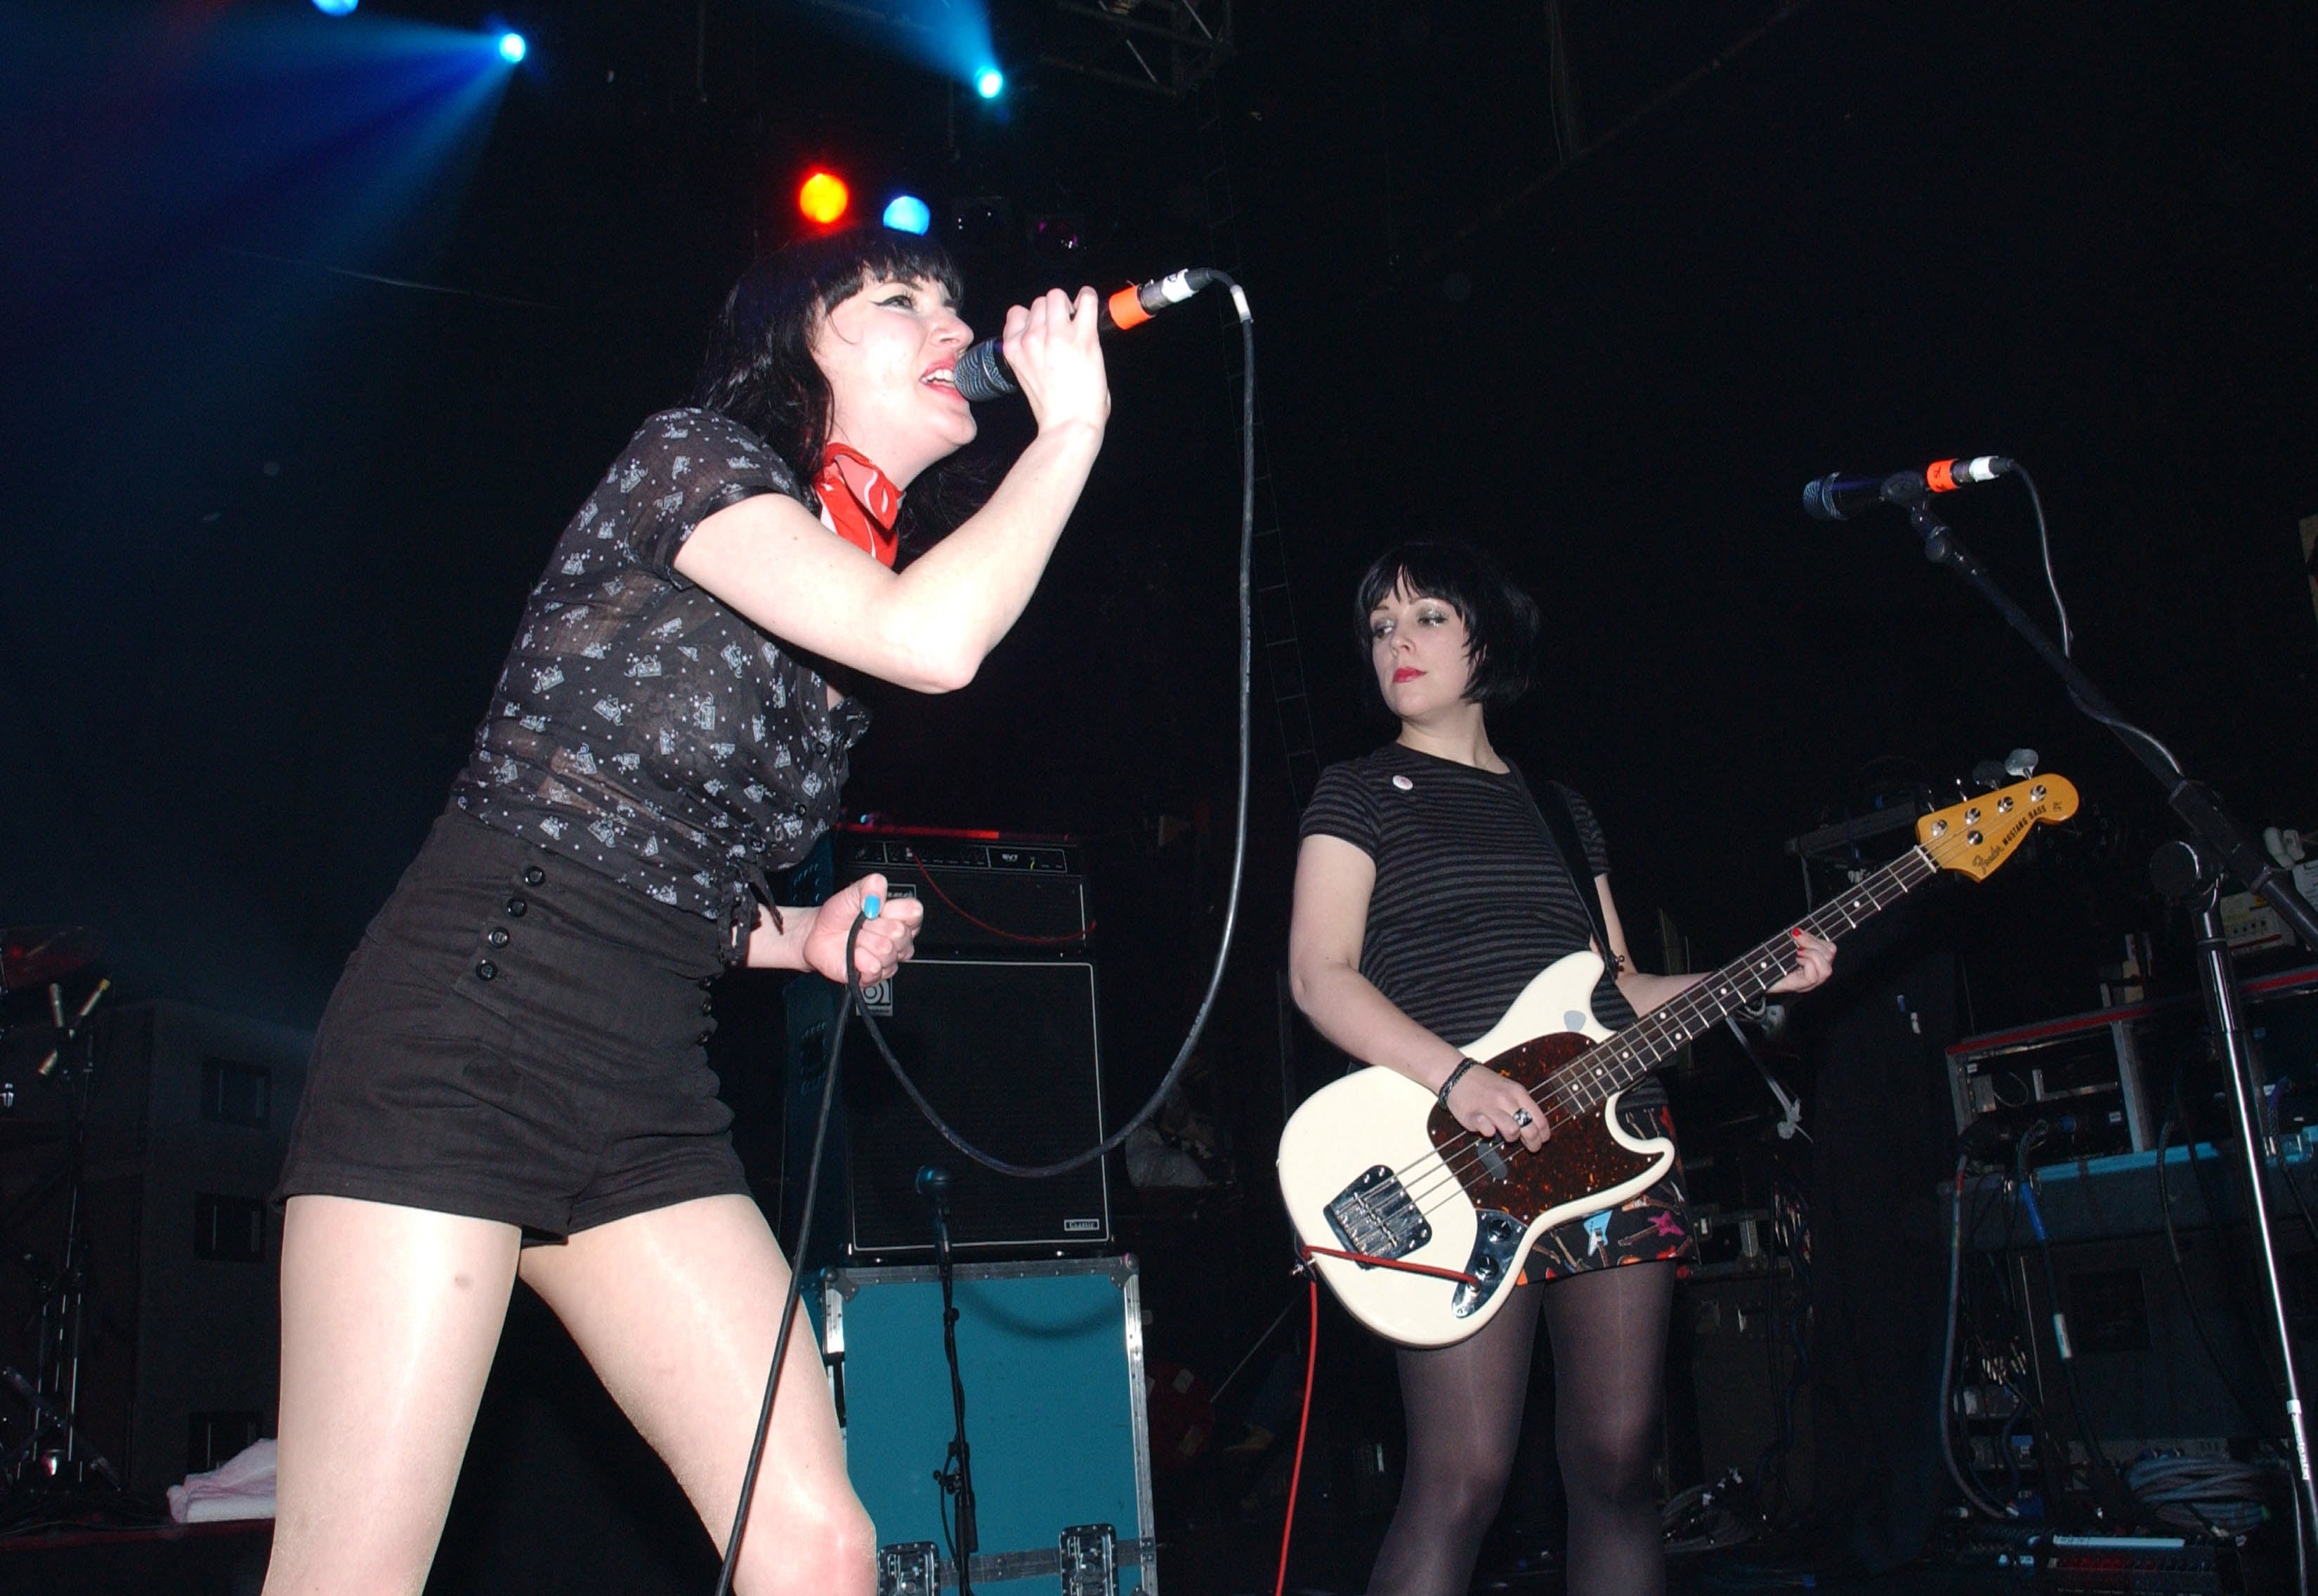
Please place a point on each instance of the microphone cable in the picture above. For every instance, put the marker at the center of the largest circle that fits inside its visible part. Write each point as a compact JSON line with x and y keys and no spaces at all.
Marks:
{"x":1112,"y":1142}
{"x":2117,"y":723}
{"x":797,"y":1263}
{"x":854,"y":1001}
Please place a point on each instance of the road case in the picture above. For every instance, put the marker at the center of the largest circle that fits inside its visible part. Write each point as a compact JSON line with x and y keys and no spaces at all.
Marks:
{"x":1050,"y":1354}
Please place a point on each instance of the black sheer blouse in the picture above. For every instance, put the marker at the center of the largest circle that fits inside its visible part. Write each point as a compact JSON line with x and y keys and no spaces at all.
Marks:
{"x":642,"y":726}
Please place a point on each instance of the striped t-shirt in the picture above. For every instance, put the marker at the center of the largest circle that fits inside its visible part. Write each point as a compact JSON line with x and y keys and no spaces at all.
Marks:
{"x":1471,"y":898}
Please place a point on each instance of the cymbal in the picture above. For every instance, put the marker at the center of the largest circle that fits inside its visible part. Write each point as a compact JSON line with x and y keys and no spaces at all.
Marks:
{"x":34,"y":955}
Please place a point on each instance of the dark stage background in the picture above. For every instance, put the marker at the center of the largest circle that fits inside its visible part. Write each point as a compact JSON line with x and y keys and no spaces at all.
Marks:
{"x":311,"y":347}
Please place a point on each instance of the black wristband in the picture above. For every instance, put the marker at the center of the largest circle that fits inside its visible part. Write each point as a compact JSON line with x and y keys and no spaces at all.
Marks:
{"x":1455,"y":1075}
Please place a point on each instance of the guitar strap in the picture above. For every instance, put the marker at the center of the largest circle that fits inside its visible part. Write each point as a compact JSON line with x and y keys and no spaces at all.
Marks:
{"x":1561,"y":825}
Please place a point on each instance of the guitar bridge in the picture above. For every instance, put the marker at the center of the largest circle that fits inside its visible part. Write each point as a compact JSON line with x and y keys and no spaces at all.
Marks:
{"x":1374,"y":1216}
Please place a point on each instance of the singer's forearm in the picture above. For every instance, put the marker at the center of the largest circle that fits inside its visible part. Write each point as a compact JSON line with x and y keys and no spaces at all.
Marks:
{"x":927,"y":628}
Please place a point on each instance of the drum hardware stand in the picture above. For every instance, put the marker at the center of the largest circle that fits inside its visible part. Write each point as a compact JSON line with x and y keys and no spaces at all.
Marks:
{"x":2192,"y":874}
{"x":54,"y":1454}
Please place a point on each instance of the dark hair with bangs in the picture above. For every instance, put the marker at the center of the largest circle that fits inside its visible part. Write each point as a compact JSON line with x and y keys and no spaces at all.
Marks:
{"x":760,"y":368}
{"x":1501,"y":621}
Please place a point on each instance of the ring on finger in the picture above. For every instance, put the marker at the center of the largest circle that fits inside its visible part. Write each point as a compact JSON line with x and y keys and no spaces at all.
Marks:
{"x":1522,"y":1118}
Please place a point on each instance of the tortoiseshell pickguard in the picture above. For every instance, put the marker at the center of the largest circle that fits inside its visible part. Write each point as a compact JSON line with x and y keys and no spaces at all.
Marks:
{"x":1580,"y":1159}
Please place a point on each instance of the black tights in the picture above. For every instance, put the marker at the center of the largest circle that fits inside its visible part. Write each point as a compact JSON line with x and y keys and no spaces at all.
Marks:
{"x":1464,"y":1405}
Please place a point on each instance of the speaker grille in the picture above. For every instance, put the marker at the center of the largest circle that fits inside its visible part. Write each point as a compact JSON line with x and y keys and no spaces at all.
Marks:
{"x":1006,"y":1053}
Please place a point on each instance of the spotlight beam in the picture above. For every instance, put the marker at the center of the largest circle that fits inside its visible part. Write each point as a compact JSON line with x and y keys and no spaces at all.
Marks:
{"x":873,"y":13}
{"x":951,"y":37}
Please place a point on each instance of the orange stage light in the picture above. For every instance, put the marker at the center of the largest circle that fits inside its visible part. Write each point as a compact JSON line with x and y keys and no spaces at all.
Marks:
{"x":824,"y":198}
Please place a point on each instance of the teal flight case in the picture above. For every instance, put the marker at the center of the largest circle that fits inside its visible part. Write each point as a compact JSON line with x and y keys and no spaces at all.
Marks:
{"x":1050,"y":1354}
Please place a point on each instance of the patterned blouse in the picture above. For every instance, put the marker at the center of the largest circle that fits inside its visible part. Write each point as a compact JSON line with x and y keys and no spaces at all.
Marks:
{"x":642,"y":726}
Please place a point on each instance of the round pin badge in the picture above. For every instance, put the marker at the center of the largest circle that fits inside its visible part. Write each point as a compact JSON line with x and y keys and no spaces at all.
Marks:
{"x":1404,"y":783}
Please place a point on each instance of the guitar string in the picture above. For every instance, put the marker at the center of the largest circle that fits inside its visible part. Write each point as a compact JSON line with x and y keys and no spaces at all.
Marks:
{"x":1655,"y":1033}
{"x":1844,"y":913}
{"x":1458,"y":1156}
{"x":1702,"y":1004}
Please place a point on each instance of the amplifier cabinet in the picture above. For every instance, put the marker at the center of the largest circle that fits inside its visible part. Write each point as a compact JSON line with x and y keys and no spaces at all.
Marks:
{"x":1050,"y":1355}
{"x":1743,"y":1357}
{"x":986,"y":895}
{"x":1006,"y":1052}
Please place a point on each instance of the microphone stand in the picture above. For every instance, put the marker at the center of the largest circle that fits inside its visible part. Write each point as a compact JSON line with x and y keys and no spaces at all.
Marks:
{"x":956,"y":1477}
{"x":2192,"y":877}
{"x":2232,"y":846}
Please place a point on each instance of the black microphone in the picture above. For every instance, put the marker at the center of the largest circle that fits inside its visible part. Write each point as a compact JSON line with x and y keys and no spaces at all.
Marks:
{"x":933,"y":1185}
{"x":1838,"y":497}
{"x":981,"y":373}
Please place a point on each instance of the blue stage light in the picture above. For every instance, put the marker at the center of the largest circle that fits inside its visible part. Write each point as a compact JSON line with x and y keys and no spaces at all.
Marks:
{"x":336,"y":7}
{"x":907,"y":213}
{"x":990,"y":83}
{"x":512,"y":49}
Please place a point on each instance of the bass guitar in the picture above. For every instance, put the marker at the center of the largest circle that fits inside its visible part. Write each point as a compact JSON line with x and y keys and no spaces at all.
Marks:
{"x":1418,"y":1224}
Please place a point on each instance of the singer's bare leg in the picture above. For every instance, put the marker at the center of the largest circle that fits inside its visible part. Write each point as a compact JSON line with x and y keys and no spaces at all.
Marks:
{"x":390,"y":1316}
{"x":676,"y":1309}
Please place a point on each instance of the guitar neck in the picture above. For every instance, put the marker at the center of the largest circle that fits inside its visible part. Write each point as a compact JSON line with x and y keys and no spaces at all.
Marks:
{"x":1634,"y":1052}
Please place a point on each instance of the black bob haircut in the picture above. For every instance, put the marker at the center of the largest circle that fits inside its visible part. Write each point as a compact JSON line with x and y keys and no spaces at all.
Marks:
{"x":759,"y":369}
{"x":1501,"y":621}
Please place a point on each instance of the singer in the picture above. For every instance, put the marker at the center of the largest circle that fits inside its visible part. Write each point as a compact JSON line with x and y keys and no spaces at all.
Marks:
{"x":509,"y":1081}
{"x":1430,"y":888}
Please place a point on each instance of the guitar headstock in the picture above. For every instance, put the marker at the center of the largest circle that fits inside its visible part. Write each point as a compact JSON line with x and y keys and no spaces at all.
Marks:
{"x":1976,"y":836}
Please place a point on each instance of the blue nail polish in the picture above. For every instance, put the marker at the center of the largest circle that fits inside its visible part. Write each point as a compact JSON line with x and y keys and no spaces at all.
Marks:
{"x":870,"y":905}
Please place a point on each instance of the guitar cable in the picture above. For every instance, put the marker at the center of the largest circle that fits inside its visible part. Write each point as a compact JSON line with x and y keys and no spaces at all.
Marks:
{"x":1303,"y":1424}
{"x":855,"y":1000}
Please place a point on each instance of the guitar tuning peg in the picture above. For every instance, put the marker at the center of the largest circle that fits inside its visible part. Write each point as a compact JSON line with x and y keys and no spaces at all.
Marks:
{"x":1988,"y":775}
{"x":2020,"y":762}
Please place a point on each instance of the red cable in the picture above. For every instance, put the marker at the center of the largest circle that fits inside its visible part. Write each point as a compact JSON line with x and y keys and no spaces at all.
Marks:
{"x":927,"y":871}
{"x":1295,"y":1476}
{"x":1403,"y":1266}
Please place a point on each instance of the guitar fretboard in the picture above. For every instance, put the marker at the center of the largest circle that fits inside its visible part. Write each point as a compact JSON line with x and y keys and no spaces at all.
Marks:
{"x":1587,"y":1081}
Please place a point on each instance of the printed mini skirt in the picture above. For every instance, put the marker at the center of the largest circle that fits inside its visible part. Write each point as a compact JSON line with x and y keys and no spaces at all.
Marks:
{"x":1651,"y":1226}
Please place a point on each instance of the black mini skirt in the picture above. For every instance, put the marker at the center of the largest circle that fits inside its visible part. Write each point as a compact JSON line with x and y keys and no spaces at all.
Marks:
{"x":520,"y":1038}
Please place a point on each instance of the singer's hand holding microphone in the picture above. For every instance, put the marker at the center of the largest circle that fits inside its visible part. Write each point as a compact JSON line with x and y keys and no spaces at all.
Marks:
{"x":1052,"y":347}
{"x":993,"y":369}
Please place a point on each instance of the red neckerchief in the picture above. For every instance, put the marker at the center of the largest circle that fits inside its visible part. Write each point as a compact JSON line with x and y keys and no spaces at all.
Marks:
{"x":861,"y":501}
